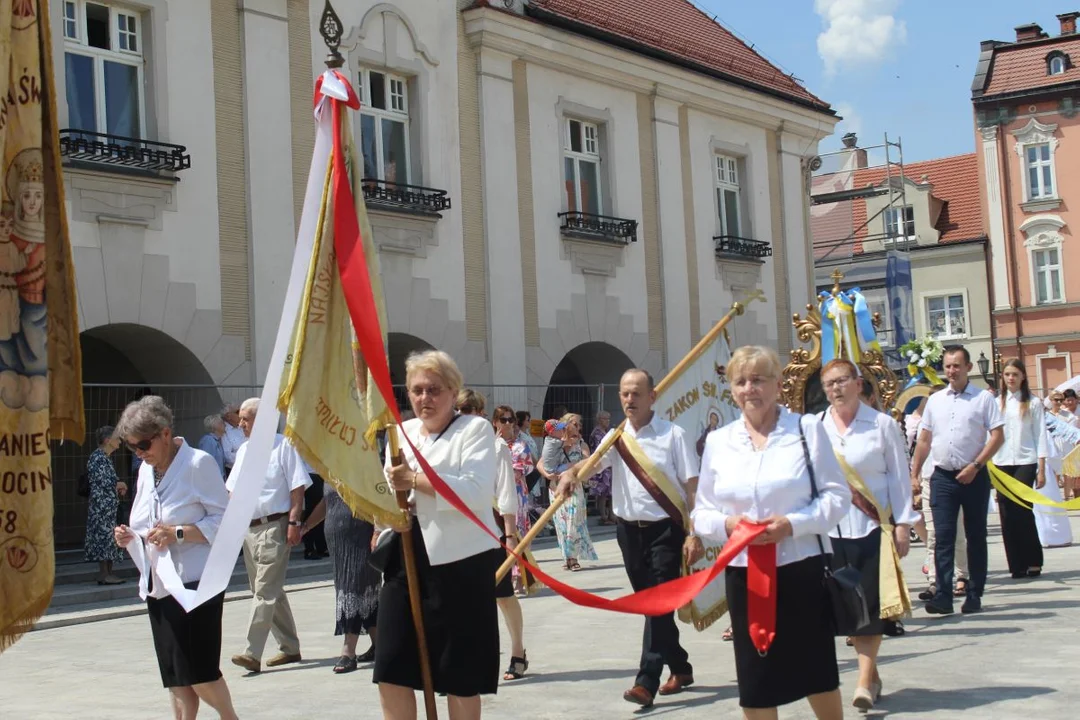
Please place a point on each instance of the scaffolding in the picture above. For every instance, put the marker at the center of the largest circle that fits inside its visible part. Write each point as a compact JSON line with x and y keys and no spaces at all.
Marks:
{"x":842,"y":184}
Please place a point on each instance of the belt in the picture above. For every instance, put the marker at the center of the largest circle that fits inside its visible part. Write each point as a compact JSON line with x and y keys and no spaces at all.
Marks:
{"x":267,"y":519}
{"x":642,"y":523}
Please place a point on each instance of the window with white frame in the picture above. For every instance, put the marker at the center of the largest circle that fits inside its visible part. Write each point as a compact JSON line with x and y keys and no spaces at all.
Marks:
{"x":728,"y":196}
{"x":581,"y":167}
{"x":1039,"y":163}
{"x":103,"y":68}
{"x":899,"y":224}
{"x":384,"y":126}
{"x":946,"y":317}
{"x":1056,"y":65}
{"x":1046,"y":264}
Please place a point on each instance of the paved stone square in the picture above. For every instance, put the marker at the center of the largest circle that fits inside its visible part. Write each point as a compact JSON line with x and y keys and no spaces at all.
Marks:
{"x":1020,"y":659}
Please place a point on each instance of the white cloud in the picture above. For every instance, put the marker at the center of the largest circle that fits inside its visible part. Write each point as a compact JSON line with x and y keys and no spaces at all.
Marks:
{"x":858,"y":32}
{"x":852,"y":121}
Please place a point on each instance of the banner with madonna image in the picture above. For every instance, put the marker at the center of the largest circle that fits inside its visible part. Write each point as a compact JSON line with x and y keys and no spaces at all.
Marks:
{"x":40,"y":363}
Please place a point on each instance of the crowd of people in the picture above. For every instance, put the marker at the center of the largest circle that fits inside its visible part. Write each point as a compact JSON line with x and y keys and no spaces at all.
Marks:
{"x":839,"y":491}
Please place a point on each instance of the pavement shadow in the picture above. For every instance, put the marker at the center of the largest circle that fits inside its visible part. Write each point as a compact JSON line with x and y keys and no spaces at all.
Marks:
{"x":537,"y":678}
{"x":548,"y":592}
{"x":910,"y":700}
{"x":1034,"y":605}
{"x":696,"y":696}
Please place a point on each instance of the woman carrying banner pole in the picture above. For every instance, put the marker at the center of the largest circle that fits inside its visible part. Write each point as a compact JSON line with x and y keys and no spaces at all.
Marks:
{"x":874,"y":535}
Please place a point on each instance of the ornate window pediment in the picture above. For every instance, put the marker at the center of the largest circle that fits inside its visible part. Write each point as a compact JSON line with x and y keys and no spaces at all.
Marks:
{"x":1035,"y":133}
{"x":1043,"y":231}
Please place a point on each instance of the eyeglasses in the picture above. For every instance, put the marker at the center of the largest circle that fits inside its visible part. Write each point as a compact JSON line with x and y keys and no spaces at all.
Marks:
{"x":143,"y":445}
{"x":506,"y":420}
{"x":838,"y":382}
{"x":432,"y":391}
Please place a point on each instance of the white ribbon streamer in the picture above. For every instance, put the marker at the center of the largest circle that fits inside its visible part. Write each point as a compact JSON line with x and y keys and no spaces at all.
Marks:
{"x":251,"y":471}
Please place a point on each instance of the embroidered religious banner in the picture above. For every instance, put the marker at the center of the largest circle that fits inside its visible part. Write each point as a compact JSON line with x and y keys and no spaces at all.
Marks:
{"x":332,"y":407}
{"x":699,"y":401}
{"x":40,"y":365}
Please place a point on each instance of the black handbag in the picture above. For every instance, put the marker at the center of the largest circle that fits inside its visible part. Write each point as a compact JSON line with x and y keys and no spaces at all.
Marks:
{"x":843,"y":585}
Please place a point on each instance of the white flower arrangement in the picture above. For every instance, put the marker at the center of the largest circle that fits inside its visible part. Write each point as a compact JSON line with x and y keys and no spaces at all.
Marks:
{"x":922,"y":353}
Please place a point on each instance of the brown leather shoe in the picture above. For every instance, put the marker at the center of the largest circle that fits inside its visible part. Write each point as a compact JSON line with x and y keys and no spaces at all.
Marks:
{"x":639,"y":696}
{"x":283,"y":659}
{"x":247,"y":662}
{"x":676,"y":684}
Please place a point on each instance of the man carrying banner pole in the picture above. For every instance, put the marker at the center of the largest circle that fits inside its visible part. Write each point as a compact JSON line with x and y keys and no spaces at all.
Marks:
{"x":654,"y":479}
{"x":40,"y":383}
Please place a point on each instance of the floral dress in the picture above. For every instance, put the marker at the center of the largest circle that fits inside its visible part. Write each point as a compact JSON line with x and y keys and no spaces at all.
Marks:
{"x":522,"y":458}
{"x":100,"y":545}
{"x":600,"y":483}
{"x":571,"y":523}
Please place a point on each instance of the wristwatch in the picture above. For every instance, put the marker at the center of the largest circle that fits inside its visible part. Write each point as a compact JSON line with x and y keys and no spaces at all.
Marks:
{"x":179,"y":535}
{"x":978,"y":465}
{"x":295,"y":523}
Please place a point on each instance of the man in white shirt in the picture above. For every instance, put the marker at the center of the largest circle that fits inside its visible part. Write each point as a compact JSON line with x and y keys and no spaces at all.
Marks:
{"x":653,"y":543}
{"x":234,"y":436}
{"x":961,"y":429}
{"x":275,"y":529}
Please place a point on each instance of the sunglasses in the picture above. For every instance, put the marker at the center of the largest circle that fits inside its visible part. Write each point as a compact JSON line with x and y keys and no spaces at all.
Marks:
{"x":142,"y":445}
{"x":1057,"y":399}
{"x":506,"y":419}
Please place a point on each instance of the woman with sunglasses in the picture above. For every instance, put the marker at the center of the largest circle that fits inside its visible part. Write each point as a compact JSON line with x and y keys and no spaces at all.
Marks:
{"x":179,"y":503}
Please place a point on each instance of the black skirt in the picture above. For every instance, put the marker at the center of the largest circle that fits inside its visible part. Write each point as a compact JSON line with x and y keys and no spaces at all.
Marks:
{"x":864,"y":554}
{"x":461,"y":624}
{"x":188,"y":644}
{"x":802,"y":658}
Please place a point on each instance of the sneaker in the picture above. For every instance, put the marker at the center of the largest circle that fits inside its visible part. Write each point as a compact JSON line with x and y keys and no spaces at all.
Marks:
{"x":283,"y":659}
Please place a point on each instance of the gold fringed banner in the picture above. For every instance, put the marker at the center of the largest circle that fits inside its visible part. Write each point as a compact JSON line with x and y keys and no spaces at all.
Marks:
{"x":331,"y":405}
{"x":40,"y":365}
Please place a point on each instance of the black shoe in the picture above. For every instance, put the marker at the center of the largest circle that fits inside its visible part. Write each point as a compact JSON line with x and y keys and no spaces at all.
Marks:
{"x":971,"y":606}
{"x":1020,"y":575}
{"x":929,"y":593}
{"x":1034,"y":573}
{"x":368,"y":656}
{"x":934,"y":608}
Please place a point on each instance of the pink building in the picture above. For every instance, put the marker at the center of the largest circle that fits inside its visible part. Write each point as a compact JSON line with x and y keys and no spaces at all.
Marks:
{"x":1026,"y":97}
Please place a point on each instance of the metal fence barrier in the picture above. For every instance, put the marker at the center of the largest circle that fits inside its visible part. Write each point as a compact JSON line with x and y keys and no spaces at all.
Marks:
{"x":190,"y":404}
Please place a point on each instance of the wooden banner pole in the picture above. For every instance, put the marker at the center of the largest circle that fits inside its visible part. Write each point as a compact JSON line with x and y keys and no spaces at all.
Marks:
{"x":413,"y":580}
{"x":586,"y":470}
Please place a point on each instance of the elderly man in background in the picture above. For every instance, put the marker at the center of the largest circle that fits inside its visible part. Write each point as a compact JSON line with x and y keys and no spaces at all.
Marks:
{"x":210,"y":443}
{"x":275,"y":528}
{"x":234,"y":436}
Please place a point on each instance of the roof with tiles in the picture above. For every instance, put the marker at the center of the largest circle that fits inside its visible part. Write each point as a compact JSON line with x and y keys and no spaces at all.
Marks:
{"x":678,"y":29}
{"x":954,"y":181}
{"x":1016,"y":67}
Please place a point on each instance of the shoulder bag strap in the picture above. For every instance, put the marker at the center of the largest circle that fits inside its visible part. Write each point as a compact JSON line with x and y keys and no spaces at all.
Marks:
{"x":810,"y":471}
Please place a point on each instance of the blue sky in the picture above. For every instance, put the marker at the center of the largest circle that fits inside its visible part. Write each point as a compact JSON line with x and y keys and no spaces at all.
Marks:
{"x":898,"y":66}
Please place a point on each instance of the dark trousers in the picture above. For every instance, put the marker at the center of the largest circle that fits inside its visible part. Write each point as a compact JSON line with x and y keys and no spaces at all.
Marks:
{"x":652,"y":554}
{"x":947,"y":498}
{"x":314,"y":539}
{"x":1023,"y":550}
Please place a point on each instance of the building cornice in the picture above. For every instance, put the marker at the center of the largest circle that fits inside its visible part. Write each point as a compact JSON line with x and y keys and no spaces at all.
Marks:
{"x":568,"y":52}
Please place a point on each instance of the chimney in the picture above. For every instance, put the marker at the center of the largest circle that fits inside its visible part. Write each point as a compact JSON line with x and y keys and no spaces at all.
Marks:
{"x":1031,"y":31}
{"x":850,"y":140}
{"x":1068,"y":22}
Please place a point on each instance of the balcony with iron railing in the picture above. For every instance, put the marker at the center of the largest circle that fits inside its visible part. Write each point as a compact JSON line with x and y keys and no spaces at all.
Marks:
{"x":399,"y":197}
{"x":730,"y":246}
{"x":117,"y":153}
{"x":603,"y":228}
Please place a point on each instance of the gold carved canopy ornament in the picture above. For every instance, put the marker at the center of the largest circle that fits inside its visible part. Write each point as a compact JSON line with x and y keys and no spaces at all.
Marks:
{"x":849,"y":332}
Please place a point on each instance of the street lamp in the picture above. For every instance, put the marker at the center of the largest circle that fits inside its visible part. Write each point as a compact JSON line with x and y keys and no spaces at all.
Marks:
{"x":984,"y":364}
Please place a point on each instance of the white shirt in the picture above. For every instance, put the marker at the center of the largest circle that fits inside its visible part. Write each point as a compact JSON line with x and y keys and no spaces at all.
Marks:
{"x":231,"y":442}
{"x":736,"y":479}
{"x":284,"y":474}
{"x":873,"y":447}
{"x":1025,"y":433}
{"x":666,"y":445}
{"x":911,"y":425}
{"x":506,"y":500}
{"x":191,"y":493}
{"x":959,"y":422}
{"x":465,"y":458}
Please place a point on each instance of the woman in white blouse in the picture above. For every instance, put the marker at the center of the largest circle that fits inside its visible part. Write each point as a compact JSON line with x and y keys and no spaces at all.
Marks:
{"x":178,"y":507}
{"x":872,"y":446}
{"x":1023,"y":456}
{"x":756,"y":469}
{"x":453,"y":556}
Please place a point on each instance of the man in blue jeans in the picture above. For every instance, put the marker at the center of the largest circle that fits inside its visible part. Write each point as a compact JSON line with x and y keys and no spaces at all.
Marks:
{"x":961,"y":429}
